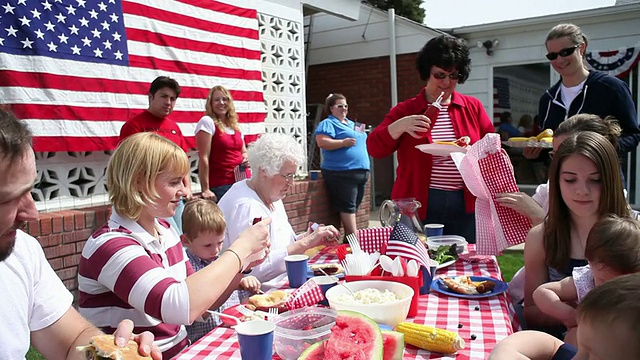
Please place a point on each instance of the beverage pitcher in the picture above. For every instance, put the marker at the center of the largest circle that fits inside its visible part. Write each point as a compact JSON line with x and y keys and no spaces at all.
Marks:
{"x":404,"y":210}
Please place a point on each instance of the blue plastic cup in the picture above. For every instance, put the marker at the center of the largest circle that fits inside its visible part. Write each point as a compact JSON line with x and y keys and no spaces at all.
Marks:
{"x":296,"y":269}
{"x":433,"y":229}
{"x":326,"y":283}
{"x":314,"y":174}
{"x":256,"y":339}
{"x":427,"y":278}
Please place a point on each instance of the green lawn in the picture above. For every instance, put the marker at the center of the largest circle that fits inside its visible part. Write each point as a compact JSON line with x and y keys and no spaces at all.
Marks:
{"x":34,"y":355}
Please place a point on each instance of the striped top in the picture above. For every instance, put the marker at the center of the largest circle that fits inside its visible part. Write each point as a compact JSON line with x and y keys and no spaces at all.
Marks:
{"x":125,"y":273}
{"x":444,"y":174}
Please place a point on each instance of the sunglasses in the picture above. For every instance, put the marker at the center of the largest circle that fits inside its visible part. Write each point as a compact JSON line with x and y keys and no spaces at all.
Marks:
{"x":564,"y":52}
{"x":442,"y":76}
{"x":342,"y":106}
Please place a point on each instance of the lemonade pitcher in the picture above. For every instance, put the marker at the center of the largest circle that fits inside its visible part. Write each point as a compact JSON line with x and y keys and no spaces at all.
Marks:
{"x":404,"y":210}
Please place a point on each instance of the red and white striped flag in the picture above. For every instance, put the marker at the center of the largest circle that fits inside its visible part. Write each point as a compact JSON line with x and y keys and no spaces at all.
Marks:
{"x":77,"y":70}
{"x":404,"y":242}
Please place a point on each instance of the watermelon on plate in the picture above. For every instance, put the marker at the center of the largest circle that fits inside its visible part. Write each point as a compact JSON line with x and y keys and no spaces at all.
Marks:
{"x":393,"y":345}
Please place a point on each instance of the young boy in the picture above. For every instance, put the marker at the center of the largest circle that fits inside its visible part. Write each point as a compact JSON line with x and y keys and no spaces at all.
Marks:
{"x":608,"y":319}
{"x":203,"y":228}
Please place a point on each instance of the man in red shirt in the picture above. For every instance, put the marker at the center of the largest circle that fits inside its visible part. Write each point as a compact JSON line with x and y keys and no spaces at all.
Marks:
{"x":163,"y":93}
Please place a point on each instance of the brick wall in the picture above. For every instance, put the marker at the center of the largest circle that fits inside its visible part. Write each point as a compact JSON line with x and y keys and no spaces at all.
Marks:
{"x":63,"y":234}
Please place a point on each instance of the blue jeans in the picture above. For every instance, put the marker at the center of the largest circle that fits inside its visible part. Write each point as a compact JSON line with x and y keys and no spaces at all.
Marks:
{"x":448,"y":208}
{"x":221,"y":190}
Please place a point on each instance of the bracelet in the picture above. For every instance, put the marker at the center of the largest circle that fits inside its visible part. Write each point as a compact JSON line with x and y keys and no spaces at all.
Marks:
{"x":238,"y":257}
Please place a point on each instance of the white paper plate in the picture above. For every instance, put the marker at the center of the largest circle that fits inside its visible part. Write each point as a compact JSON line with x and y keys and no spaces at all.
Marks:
{"x":445,"y":264}
{"x":440,"y":149}
{"x":525,"y":144}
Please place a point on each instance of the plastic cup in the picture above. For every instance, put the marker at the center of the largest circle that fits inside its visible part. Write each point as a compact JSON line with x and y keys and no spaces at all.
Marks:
{"x":326,"y":283}
{"x":296,"y":269}
{"x":427,"y":278}
{"x":314,"y":174}
{"x":434,"y":229}
{"x":256,"y":339}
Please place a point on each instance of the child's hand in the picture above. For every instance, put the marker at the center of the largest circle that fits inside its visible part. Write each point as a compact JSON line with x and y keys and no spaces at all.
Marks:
{"x":250,"y":283}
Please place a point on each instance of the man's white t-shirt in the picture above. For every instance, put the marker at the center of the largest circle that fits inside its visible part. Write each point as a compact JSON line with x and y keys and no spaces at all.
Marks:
{"x":32,"y":296}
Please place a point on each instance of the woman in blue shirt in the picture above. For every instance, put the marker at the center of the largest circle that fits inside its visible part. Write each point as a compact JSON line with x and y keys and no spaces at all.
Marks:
{"x":345,"y":161}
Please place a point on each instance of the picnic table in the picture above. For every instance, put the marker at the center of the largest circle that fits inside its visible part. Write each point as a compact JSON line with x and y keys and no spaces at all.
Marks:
{"x":480,"y":322}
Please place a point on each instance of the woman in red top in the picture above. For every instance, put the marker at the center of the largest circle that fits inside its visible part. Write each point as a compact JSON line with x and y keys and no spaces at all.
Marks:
{"x":220,"y":145}
{"x":434,"y":180}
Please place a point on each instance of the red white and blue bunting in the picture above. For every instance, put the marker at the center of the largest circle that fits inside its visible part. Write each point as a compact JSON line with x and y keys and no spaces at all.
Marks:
{"x":614,"y":62}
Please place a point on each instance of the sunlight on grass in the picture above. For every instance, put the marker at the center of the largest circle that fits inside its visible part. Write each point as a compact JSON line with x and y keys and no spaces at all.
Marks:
{"x":509,"y":263}
{"x":33,"y":354}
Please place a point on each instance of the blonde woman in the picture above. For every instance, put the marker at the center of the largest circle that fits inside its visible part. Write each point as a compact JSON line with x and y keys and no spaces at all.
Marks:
{"x":220,"y":144}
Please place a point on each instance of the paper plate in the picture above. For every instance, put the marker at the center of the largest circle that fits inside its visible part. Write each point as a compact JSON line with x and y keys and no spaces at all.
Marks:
{"x":525,"y":144}
{"x":440,"y":149}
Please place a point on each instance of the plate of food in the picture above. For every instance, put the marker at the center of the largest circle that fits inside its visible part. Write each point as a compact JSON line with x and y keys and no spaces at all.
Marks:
{"x":441,"y":148}
{"x":469,"y":287}
{"x":334,"y":269}
{"x":234,"y":311}
{"x":444,"y":255}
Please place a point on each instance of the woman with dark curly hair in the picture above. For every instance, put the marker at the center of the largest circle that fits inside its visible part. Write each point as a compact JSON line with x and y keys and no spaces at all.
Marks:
{"x":434,"y":180}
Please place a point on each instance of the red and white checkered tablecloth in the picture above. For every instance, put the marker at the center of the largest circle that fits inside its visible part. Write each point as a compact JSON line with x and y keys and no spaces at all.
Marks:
{"x":492,"y":322}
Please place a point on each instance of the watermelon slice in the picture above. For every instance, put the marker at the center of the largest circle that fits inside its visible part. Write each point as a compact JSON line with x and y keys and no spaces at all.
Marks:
{"x":393,"y":345}
{"x":314,"y":352}
{"x":355,"y":336}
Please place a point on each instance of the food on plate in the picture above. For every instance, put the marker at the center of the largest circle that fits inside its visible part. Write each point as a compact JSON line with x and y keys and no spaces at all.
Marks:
{"x":354,"y":333}
{"x":520,"y":139}
{"x":445,"y":142}
{"x":461,"y":142}
{"x":545,"y":133}
{"x":464,"y":285}
{"x":329,"y":269}
{"x":431,"y":338}
{"x":368,"y":296}
{"x":444,"y":253}
{"x":104,"y":347}
{"x":274,"y":299}
{"x":547,"y":139}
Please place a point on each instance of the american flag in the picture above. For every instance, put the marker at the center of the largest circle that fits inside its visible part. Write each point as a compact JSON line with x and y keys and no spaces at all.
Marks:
{"x":76,"y":70}
{"x":404,"y":242}
{"x":501,"y":98}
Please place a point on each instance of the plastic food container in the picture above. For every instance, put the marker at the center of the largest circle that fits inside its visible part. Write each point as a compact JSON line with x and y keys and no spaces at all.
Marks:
{"x":434,"y":242}
{"x":391,"y":313}
{"x":298,"y":329}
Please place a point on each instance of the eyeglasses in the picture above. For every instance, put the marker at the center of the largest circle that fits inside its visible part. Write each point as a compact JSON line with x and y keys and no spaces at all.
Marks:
{"x":442,"y":76}
{"x":289,"y":177}
{"x":564,"y":52}
{"x":341,"y":106}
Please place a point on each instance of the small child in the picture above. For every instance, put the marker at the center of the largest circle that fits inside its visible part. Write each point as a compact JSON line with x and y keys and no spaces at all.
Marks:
{"x":203,"y":227}
{"x":608,"y":319}
{"x":613,"y":249}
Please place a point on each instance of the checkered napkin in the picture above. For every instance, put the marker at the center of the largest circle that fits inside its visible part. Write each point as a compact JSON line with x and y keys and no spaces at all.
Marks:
{"x":487,"y":170}
{"x":308,"y":294}
{"x":372,"y":240}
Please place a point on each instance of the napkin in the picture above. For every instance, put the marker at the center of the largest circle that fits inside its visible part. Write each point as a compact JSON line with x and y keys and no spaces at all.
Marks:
{"x":371,"y":240}
{"x":486,"y":171}
{"x":308,"y":294}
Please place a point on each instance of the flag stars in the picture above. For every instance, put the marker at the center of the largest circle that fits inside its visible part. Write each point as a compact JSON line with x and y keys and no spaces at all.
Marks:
{"x":112,"y":1}
{"x":24,"y":21}
{"x":8,"y":9}
{"x":75,"y":50}
{"x":84,"y":22}
{"x":11,"y":31}
{"x":114,"y":17}
{"x":63,"y":39}
{"x":52,"y":47}
{"x":1,"y":41}
{"x":86,"y":41}
{"x":50,"y":26}
{"x":26,"y":43}
{"x":81,"y":3}
{"x":73,"y":29}
{"x":97,"y":52}
{"x":105,"y":25}
{"x":96,"y":33}
{"x":116,"y":36}
{"x":61,"y":18}
{"x":94,"y":14}
{"x":102,"y":6}
{"x":71,"y":10}
{"x":46,"y":5}
{"x":36,"y":14}
{"x":22,"y":2}
{"x":107,"y":44}
{"x":118,"y":55}
{"x":39,"y":34}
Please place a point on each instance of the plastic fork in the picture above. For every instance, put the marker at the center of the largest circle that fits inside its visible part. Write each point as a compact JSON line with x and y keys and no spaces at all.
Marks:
{"x":244,"y":311}
{"x":273,"y":314}
{"x":354,"y":244}
{"x":237,"y":320}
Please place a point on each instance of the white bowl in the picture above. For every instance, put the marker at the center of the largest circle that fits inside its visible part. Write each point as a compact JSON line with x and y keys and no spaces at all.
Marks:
{"x":434,"y":242}
{"x":391,"y":313}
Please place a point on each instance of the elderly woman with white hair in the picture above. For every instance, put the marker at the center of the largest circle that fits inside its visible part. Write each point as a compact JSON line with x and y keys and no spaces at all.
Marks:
{"x":274,"y":159}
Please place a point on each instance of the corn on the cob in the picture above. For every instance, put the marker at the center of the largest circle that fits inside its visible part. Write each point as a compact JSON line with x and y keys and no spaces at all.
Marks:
{"x":431,"y":338}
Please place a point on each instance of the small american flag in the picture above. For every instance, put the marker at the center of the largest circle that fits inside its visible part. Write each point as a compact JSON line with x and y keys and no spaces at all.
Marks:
{"x":240,"y":172}
{"x":404,"y":242}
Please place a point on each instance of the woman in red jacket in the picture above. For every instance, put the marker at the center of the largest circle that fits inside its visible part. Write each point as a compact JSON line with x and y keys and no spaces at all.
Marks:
{"x":220,"y":144}
{"x":434,"y":180}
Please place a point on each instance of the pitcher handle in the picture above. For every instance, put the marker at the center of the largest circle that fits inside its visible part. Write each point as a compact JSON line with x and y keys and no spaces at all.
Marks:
{"x":386,"y":204}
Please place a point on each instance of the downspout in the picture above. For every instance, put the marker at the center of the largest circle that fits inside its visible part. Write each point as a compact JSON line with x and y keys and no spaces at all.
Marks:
{"x":393,"y":73}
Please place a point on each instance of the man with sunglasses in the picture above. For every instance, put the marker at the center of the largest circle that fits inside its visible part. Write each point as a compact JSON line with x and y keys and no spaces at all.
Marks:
{"x":581,"y":91}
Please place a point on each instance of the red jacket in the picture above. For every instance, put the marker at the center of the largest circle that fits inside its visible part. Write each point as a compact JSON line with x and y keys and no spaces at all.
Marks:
{"x":413,"y":175}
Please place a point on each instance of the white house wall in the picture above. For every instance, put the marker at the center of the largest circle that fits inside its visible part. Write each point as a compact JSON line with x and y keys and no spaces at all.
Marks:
{"x":334,"y":39}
